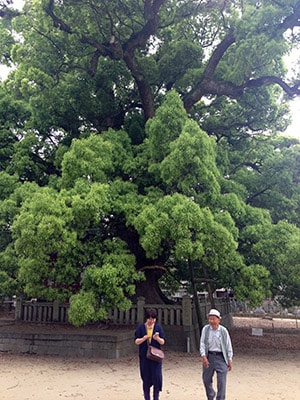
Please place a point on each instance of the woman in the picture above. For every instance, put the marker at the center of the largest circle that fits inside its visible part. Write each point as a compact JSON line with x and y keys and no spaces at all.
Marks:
{"x":150,"y":333}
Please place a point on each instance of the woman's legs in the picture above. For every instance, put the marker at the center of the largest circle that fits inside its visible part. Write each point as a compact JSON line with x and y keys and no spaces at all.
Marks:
{"x":156,"y":393}
{"x":146,"y":390}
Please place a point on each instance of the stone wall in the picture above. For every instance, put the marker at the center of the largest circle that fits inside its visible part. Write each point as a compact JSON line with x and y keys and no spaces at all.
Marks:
{"x":109,"y":345}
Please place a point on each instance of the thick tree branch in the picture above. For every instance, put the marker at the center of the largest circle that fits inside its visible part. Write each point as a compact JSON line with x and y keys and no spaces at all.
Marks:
{"x":221,"y":88}
{"x":257,"y":194}
{"x":139,"y":40}
{"x":110,"y":49}
{"x":126,"y":51}
{"x":256,"y":166}
{"x":57,"y":22}
{"x":209,"y":85}
{"x":292,"y":20}
{"x":218,"y":54}
{"x":6,"y":11}
{"x":291,"y":91}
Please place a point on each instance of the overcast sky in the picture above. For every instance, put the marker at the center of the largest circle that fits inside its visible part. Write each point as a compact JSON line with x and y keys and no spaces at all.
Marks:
{"x":294,"y":128}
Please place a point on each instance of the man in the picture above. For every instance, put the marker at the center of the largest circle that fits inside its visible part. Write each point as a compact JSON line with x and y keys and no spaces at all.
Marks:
{"x":216,"y":353}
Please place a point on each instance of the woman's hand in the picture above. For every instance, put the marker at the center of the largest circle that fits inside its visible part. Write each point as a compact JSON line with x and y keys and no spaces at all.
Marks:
{"x":141,"y":340}
{"x":158,"y":338}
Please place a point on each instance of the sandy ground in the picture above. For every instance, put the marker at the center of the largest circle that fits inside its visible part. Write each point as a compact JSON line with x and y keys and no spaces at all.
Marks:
{"x":269,"y":373}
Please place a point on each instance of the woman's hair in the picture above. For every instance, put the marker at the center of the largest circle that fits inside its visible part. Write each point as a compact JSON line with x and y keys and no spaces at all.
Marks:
{"x":150,"y":313}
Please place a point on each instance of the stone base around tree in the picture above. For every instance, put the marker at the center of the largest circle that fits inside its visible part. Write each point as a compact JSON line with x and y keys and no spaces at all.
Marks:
{"x":109,"y":345}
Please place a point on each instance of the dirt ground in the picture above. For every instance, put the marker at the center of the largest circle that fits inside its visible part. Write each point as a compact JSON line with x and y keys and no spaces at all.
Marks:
{"x":265,"y":367}
{"x":277,"y":333}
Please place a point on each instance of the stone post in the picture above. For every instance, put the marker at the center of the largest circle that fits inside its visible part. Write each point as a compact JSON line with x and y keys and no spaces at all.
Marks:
{"x":187,"y":311}
{"x":56,"y":311}
{"x":140,"y":309}
{"x":187,"y":322}
{"x":18,"y":310}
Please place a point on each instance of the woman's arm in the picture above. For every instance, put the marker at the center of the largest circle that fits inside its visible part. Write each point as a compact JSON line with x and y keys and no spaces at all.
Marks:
{"x":141,"y":340}
{"x":158,"y":332}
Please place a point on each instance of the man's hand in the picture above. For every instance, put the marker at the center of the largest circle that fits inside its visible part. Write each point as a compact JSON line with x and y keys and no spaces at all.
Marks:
{"x":205,"y":361}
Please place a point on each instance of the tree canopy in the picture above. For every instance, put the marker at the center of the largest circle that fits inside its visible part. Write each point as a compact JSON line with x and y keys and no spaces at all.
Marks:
{"x":140,"y":144}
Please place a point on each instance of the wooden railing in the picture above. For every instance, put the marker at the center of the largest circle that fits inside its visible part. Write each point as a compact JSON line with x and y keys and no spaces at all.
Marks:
{"x":182,"y":314}
{"x":166,"y":314}
{"x":42,"y":312}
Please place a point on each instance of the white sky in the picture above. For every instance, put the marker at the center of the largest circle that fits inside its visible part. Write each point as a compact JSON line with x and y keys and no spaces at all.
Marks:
{"x":294,"y":129}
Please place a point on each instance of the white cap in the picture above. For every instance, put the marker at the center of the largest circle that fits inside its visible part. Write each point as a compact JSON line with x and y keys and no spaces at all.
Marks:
{"x":214,"y":312}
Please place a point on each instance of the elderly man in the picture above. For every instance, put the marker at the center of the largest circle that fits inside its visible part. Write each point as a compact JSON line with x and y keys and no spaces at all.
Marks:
{"x":216,"y":353}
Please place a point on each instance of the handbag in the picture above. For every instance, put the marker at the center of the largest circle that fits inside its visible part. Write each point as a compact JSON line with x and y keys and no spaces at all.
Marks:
{"x":155,"y":354}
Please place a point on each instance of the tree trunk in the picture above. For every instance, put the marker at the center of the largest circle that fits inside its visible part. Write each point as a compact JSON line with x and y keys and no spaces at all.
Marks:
{"x":149,"y":288}
{"x":209,"y":289}
{"x":195,"y":295}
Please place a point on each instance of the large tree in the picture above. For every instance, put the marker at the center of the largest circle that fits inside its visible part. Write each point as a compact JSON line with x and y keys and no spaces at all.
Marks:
{"x":115,"y":212}
{"x":110,"y":172}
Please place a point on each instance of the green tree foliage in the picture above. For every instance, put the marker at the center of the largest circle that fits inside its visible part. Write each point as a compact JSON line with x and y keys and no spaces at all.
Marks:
{"x":140,"y":138}
{"x":278,"y":248}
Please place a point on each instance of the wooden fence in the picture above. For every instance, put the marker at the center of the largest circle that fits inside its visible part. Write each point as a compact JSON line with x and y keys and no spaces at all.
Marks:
{"x":179,"y":320}
{"x":41,"y":312}
{"x":181,"y":314}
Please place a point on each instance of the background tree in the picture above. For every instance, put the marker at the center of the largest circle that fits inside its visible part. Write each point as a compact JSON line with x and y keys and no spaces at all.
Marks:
{"x":278,"y":249}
